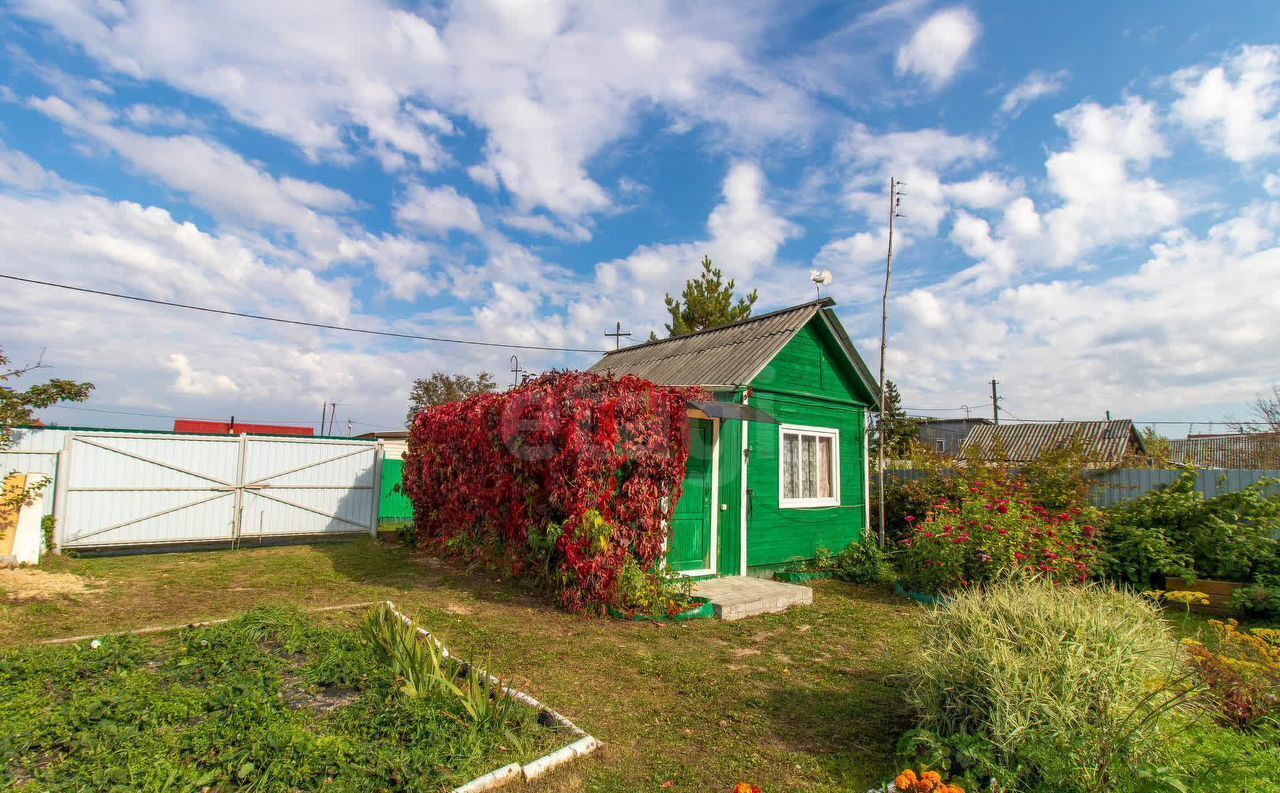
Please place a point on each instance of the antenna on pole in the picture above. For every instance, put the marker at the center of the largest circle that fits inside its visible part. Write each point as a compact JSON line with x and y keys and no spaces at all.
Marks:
{"x":820,"y":278}
{"x":895,"y":202}
{"x":516,"y":371}
{"x":617,"y":335}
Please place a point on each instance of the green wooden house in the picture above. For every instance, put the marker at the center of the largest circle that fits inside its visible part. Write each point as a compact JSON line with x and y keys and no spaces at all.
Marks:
{"x":778,"y":461}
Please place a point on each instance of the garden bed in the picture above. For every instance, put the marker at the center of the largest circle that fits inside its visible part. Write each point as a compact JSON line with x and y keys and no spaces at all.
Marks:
{"x":272,"y":699}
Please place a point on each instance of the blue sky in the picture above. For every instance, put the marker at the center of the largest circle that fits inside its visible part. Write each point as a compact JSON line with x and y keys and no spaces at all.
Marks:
{"x":1092,"y":207}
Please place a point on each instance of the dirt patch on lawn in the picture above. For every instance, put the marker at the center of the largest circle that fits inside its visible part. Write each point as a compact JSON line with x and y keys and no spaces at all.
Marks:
{"x":25,"y":584}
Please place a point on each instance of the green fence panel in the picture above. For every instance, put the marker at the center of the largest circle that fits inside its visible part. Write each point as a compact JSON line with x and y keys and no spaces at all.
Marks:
{"x":393,"y":505}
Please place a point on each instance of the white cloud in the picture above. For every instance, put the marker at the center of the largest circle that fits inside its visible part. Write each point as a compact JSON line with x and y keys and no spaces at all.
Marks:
{"x":550,"y":85}
{"x":986,"y":191}
{"x":184,"y":363}
{"x":437,"y":210}
{"x":1234,"y":107}
{"x":20,"y":172}
{"x":1105,"y":198}
{"x":920,"y":158}
{"x":746,"y":230}
{"x":938,"y":49}
{"x":745,"y":233}
{"x":1190,"y":324}
{"x":215,"y":177}
{"x":1035,"y":85}
{"x":188,"y":381}
{"x":144,"y":115}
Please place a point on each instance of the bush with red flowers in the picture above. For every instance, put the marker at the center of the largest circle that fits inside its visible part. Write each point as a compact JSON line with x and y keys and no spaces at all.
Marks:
{"x":995,"y":531}
{"x":559,"y":481}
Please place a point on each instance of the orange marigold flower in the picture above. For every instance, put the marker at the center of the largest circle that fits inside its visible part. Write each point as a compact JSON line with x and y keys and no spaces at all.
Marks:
{"x":933,"y":777}
{"x":922,"y":786}
{"x":905,"y":781}
{"x":745,"y":787}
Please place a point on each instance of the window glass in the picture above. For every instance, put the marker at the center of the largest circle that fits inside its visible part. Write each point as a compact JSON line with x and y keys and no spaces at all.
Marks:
{"x":808,"y":466}
{"x":824,"y":467}
{"x":790,"y":466}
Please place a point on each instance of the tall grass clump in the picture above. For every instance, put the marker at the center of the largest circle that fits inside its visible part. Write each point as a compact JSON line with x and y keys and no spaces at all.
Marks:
{"x":1048,"y":688}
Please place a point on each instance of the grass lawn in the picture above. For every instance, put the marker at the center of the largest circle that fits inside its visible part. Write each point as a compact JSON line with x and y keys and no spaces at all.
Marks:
{"x":803,"y":700}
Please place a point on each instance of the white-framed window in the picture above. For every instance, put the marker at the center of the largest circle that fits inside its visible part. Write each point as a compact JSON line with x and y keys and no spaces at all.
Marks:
{"x":808,"y":466}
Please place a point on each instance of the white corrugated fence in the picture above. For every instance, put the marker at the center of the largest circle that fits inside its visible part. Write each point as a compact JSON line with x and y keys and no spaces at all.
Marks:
{"x":136,"y":489}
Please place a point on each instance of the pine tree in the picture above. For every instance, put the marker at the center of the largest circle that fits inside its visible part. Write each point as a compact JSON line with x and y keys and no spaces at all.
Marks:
{"x":899,"y":430}
{"x":706,"y":302}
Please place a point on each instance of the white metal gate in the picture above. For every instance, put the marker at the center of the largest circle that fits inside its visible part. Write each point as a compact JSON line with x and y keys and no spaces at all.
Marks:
{"x":128,"y":489}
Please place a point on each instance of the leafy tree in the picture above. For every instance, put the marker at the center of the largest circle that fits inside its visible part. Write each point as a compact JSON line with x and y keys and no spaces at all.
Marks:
{"x":442,"y":387}
{"x":17,"y":408}
{"x":1264,"y":411}
{"x":1158,"y":448}
{"x":706,"y":302}
{"x":898,"y":430}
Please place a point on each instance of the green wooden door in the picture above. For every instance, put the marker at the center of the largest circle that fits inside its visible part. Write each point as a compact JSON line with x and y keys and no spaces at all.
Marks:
{"x":690,"y":544}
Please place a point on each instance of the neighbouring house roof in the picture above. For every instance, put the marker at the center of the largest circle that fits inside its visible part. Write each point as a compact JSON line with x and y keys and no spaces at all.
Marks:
{"x":386,"y":435}
{"x":1111,"y":441}
{"x":730,"y":356}
{"x":1247,"y":450}
{"x":237,"y":428}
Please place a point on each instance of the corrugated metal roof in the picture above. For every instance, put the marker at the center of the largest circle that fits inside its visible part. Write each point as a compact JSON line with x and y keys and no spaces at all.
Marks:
{"x":1250,"y":450}
{"x":1025,"y":442}
{"x":730,"y":355}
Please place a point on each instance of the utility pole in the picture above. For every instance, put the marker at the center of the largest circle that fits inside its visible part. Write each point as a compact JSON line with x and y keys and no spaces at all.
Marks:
{"x":324,"y":413}
{"x":995,"y":402}
{"x":348,"y":428}
{"x":617,"y":335}
{"x":333,"y":414}
{"x":895,"y":200}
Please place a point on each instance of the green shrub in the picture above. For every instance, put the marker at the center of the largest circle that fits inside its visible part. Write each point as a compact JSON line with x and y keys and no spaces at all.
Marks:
{"x":1220,"y":759}
{"x":1177,"y":531}
{"x":1260,"y":600}
{"x":1048,"y":688}
{"x":658,"y":593}
{"x":47,"y":525}
{"x":862,"y":562}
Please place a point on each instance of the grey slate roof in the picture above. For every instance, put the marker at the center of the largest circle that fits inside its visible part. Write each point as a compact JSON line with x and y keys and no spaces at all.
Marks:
{"x":1109,"y":440}
{"x":731,"y":355}
{"x":1252,"y":450}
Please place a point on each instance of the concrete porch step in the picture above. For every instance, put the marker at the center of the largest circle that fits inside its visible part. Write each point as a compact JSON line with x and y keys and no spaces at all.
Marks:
{"x":735,"y":597}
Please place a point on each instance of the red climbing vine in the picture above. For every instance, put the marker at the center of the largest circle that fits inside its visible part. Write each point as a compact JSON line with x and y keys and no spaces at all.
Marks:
{"x":559,"y":481}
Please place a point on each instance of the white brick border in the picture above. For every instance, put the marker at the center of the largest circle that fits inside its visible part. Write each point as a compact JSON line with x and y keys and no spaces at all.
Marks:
{"x":582,"y":746}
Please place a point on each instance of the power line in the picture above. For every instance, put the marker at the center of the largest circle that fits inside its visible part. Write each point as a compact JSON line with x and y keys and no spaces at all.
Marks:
{"x":268,"y":421}
{"x":303,"y":323}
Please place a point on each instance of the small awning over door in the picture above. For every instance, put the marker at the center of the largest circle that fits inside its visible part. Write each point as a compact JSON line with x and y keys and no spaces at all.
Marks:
{"x":730,"y":411}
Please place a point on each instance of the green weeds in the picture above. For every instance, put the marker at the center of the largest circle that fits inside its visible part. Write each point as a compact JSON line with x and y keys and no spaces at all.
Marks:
{"x":268,"y":701}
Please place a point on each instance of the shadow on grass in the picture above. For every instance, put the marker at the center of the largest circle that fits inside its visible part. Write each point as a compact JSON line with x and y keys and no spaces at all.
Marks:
{"x":381,"y":564}
{"x":851,"y":727}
